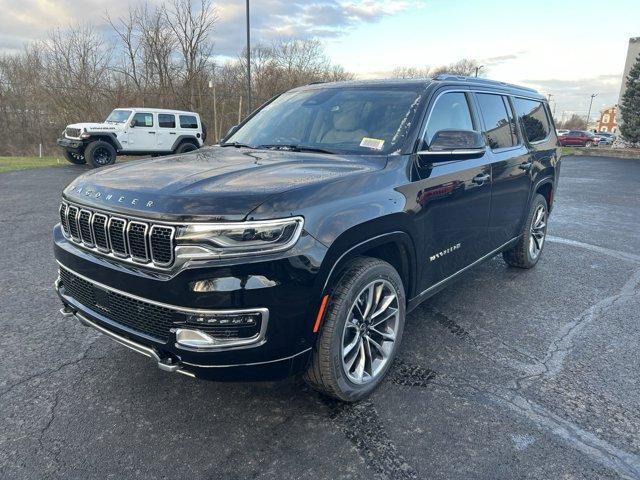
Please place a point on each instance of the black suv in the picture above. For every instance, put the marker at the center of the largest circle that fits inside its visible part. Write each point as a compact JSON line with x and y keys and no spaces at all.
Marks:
{"x":299,"y":244}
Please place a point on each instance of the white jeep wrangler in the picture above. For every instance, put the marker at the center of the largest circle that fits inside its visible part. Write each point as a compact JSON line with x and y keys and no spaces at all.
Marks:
{"x":132,"y":131}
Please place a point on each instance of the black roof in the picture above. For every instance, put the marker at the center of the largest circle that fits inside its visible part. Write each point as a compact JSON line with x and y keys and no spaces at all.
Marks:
{"x":445,"y":79}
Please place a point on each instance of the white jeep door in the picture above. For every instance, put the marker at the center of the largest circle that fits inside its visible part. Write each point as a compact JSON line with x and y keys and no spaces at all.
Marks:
{"x":142,"y":133}
{"x":166,"y":135}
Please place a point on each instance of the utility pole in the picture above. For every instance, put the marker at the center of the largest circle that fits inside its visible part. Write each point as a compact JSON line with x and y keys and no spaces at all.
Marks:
{"x":593,"y":95}
{"x":248,"y":63}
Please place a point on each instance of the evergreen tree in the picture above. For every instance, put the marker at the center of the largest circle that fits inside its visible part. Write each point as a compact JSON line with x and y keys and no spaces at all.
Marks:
{"x":630,"y":106}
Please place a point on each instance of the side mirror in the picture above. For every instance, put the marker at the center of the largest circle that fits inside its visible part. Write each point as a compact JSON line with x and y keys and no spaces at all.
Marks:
{"x":132,"y":123}
{"x":454,"y":145}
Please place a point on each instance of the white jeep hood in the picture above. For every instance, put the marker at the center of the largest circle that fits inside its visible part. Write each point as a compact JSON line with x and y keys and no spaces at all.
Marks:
{"x":98,"y":127}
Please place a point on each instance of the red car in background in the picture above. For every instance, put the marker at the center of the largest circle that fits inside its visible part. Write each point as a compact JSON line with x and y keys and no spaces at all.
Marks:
{"x":578,"y":138}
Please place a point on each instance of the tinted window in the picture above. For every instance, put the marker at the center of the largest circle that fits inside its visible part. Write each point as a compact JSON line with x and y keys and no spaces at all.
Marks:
{"x":500,"y":130}
{"x":450,"y":112}
{"x":533,"y":119}
{"x":143,"y":120}
{"x":166,"y":120}
{"x":188,"y":121}
{"x":574,"y":133}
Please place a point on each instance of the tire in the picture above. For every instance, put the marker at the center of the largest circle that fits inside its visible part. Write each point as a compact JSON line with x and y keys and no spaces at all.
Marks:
{"x":100,"y":154}
{"x":75,"y":158}
{"x":185,"y":147}
{"x":527,"y":251}
{"x":588,"y":144}
{"x":335,"y":368}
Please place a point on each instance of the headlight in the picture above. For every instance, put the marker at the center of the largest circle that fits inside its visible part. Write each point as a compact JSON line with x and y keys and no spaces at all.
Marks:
{"x":242,"y":238}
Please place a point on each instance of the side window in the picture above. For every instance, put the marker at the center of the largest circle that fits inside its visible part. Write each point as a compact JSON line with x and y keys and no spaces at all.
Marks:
{"x":533,"y":119}
{"x":166,"y":120}
{"x":143,"y":119}
{"x":188,"y":121}
{"x":499,"y":129}
{"x":450,"y":112}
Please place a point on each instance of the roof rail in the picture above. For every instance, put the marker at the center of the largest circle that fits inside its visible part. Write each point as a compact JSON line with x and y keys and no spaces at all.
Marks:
{"x":482,"y":81}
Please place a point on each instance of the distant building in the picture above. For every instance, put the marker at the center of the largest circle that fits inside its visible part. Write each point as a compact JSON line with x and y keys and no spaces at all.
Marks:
{"x":632,"y":54}
{"x":607,"y":121}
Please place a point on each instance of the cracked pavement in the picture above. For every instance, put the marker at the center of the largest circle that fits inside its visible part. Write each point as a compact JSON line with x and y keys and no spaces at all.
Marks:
{"x":505,"y":374}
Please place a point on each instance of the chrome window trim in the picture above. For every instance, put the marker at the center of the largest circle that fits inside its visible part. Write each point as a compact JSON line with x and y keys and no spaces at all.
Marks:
{"x":472,"y":108}
{"x":90,"y":242}
{"x":144,"y":235}
{"x":106,"y":231}
{"x":124,"y":238}
{"x":171,"y":239}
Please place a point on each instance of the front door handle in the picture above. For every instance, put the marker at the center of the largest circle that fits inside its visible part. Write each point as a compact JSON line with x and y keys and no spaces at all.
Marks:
{"x":152,"y":132}
{"x":526,"y":166}
{"x":481,"y":178}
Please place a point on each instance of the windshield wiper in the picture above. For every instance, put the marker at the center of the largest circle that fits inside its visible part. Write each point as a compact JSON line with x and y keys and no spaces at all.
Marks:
{"x":296,"y":148}
{"x":236,"y":144}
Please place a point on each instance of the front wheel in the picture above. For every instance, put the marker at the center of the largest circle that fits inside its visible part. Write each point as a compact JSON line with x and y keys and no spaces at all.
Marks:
{"x":526,"y":252}
{"x":75,"y":158}
{"x":588,"y":144}
{"x":362,"y":329}
{"x":100,"y":154}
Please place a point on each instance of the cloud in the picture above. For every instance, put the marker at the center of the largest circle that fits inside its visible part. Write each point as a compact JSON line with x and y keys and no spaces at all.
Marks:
{"x":270,"y":19}
{"x":574,"y":95}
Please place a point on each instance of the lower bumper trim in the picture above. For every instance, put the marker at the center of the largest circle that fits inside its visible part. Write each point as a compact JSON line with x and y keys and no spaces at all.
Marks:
{"x":162,"y":363}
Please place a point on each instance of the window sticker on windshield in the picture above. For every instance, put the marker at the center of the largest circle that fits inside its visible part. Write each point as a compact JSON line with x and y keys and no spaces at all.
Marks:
{"x":374,"y":143}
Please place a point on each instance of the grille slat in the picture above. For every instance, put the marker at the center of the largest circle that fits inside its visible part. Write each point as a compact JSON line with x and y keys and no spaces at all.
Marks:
{"x":161,"y":243}
{"x":72,"y":219}
{"x":117,"y":228}
{"x":84,"y":224}
{"x":100,"y":232}
{"x":127,"y":239}
{"x":63,"y":219}
{"x":137,"y":238}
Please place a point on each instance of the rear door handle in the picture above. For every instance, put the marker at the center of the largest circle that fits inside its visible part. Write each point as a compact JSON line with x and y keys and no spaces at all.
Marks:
{"x":526,"y":166}
{"x":152,"y":132}
{"x":481,"y":178}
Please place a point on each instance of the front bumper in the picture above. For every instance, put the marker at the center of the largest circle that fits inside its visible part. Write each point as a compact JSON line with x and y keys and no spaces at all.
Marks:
{"x":70,"y":144}
{"x":286,"y":346}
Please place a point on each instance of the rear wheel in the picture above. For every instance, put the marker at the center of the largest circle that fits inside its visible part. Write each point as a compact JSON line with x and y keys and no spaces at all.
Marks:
{"x":361,"y":332}
{"x":75,"y":158}
{"x":588,"y":144}
{"x":100,"y":154}
{"x":526,"y":253}
{"x":186,"y":147}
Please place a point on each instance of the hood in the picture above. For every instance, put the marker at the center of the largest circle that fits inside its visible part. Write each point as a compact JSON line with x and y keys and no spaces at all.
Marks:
{"x":214,"y":183}
{"x":101,"y":127}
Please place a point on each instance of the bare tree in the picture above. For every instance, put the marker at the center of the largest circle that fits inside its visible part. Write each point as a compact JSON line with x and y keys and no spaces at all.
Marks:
{"x":461,"y":67}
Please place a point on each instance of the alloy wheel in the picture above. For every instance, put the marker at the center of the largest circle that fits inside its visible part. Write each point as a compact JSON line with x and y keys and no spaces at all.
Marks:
{"x":369,"y":334}
{"x":101,"y":156}
{"x":538,"y":231}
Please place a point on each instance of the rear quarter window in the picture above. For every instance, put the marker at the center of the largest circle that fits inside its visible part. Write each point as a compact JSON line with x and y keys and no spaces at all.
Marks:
{"x":188,"y":121}
{"x":533,"y":119}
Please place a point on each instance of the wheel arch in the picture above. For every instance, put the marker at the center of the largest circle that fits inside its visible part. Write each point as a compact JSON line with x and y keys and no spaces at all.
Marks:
{"x":395,"y":247}
{"x":185,"y":138}
{"x":105,"y":137}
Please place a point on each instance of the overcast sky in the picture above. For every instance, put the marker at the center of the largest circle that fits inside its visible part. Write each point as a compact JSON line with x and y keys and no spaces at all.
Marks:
{"x":567,"y":48}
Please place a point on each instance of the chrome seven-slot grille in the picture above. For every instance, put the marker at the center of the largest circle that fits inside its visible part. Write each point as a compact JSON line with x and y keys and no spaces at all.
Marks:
{"x":129,"y":239}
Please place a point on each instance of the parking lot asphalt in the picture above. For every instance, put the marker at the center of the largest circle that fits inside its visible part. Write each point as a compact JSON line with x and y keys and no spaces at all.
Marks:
{"x":505,"y":374}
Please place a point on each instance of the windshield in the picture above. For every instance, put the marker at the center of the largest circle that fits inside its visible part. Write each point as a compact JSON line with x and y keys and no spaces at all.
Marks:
{"x":118,"y":116}
{"x":359,"y":120}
